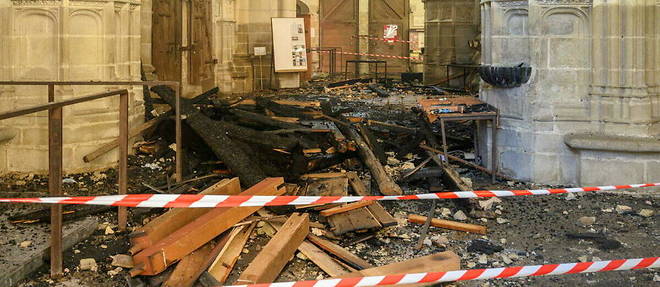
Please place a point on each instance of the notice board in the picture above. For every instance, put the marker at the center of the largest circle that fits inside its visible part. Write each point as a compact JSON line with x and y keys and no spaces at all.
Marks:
{"x":289,"y":50}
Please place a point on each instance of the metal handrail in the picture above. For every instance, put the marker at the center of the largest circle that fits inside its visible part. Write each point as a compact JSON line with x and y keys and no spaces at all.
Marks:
{"x":55,"y":143}
{"x":51,"y":105}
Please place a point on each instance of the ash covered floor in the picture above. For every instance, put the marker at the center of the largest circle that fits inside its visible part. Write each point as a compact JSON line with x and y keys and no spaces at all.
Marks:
{"x":528,"y":230}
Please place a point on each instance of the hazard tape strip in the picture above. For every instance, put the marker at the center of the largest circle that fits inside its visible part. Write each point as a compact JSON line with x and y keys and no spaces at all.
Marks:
{"x":476,"y":274}
{"x":205,"y":201}
{"x":376,"y":55}
{"x":384,"y":40}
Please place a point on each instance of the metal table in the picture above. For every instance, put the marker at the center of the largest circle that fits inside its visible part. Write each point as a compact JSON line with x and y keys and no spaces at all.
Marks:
{"x":356,"y":62}
{"x":429,"y":105}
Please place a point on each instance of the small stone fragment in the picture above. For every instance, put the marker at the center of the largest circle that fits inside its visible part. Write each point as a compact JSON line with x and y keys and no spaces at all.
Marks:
{"x":501,"y":220}
{"x":583,"y":258}
{"x":488,"y":204}
{"x":392,"y":161}
{"x":570,"y":196}
{"x":460,"y":216}
{"x":301,"y":256}
{"x":471,"y":264}
{"x":88,"y":264}
{"x":246,"y":251}
{"x":506,"y":259}
{"x":108,"y":230}
{"x":439,"y":240}
{"x":115,"y":271}
{"x":428,"y":242}
{"x":587,"y":220}
{"x":104,"y":246}
{"x":620,"y":209}
{"x":483,"y":259}
{"x":25,"y":244}
{"x":122,"y":260}
{"x":445,"y":212}
{"x":646,"y":213}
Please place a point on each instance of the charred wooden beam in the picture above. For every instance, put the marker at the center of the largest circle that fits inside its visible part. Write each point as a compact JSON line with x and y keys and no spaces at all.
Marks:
{"x":372,"y":141}
{"x":286,"y":110}
{"x":265,"y":120}
{"x":386,"y":185}
{"x":216,"y":138}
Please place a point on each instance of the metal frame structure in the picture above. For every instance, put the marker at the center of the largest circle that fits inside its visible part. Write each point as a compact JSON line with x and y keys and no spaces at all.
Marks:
{"x":55,"y":144}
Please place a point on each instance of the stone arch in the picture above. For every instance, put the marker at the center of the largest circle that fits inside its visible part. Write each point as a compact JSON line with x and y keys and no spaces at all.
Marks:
{"x":514,"y":14}
{"x":302,"y":8}
{"x":35,"y":56}
{"x":564,"y":29}
{"x":579,"y":14}
{"x":85,"y":44}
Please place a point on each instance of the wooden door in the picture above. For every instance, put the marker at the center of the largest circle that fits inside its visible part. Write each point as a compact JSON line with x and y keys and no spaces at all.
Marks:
{"x":339,"y":25}
{"x":390,"y":12}
{"x":166,"y":39}
{"x":201,"y":53}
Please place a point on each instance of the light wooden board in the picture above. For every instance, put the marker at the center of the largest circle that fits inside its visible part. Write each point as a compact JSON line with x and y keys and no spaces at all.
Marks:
{"x":280,"y":249}
{"x":225,"y":261}
{"x":339,"y":251}
{"x":183,"y":275}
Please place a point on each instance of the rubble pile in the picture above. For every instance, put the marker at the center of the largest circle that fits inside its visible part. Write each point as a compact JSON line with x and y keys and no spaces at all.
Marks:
{"x":352,"y":137}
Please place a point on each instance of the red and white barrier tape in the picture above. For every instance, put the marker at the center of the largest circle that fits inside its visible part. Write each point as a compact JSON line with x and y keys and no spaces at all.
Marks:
{"x":383,"y":39}
{"x":199,"y":201}
{"x":476,"y":274}
{"x":376,"y":55}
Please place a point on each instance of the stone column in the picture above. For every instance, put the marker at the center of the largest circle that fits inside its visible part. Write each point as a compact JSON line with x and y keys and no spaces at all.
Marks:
{"x":624,"y":90}
{"x":145,"y":39}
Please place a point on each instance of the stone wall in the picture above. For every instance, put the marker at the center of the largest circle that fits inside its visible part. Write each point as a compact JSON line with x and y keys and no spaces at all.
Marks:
{"x":66,"y":41}
{"x":590,"y":113}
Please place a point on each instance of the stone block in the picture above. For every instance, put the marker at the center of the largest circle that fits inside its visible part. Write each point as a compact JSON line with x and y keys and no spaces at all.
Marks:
{"x":569,"y":167}
{"x":21,"y":159}
{"x":34,"y":136}
{"x":545,"y":168}
{"x":653,"y":171}
{"x":91,"y":132}
{"x":549,"y":142}
{"x":599,"y":171}
{"x":516,"y":163}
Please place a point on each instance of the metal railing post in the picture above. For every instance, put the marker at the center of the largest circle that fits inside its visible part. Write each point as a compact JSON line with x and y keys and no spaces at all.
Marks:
{"x":55,"y":182}
{"x":179,"y":147}
{"x":123,"y":157}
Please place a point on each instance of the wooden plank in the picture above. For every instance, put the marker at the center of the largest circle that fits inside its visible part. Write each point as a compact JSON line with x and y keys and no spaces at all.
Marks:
{"x":321,"y":259}
{"x":376,"y":209}
{"x":322,"y":175}
{"x":357,"y":219}
{"x":183,"y":274}
{"x":384,"y":217}
{"x":183,"y":241}
{"x":448,"y":224}
{"x":324,"y":261}
{"x":328,"y":187}
{"x":280,"y":249}
{"x":345,"y":208}
{"x":176,"y":218}
{"x":340,"y":252}
{"x":224,"y":263}
{"x":439,"y":262}
{"x":224,"y":238}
